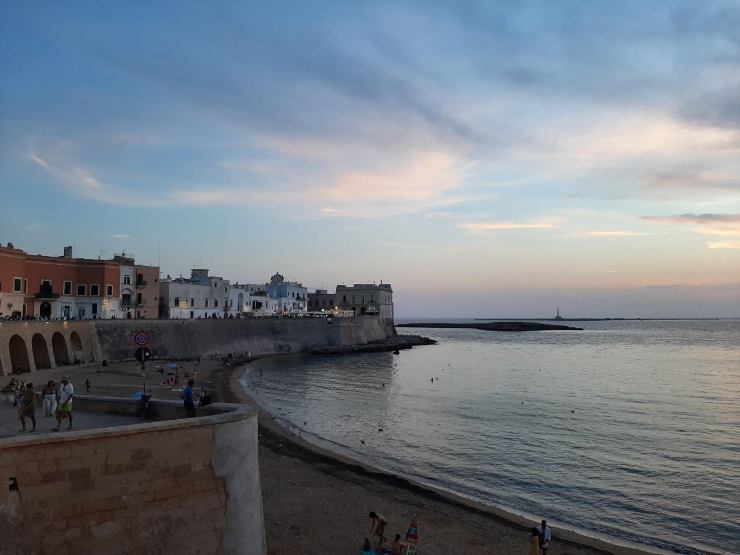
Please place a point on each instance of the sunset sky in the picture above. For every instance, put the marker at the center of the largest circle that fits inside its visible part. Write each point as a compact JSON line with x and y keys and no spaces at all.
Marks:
{"x":485,"y":159}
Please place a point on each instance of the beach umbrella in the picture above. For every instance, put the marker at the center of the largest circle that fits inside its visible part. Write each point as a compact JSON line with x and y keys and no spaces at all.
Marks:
{"x":412,"y":535}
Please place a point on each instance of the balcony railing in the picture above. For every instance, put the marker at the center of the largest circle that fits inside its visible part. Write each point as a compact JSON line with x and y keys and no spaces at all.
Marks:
{"x":141,"y":283}
{"x":46,"y":292}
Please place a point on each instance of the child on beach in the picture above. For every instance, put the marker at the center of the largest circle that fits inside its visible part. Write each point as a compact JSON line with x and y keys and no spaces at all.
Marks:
{"x":377,"y":526}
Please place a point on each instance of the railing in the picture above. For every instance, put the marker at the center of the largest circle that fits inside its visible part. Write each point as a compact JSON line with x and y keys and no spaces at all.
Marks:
{"x":141,"y":283}
{"x":46,"y":292}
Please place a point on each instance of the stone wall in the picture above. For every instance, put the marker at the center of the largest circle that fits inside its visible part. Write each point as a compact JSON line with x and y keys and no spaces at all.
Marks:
{"x":36,"y":345}
{"x":188,"y":485}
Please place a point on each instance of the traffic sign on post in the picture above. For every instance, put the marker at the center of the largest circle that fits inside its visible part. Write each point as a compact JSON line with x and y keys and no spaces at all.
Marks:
{"x":142,"y":354}
{"x":142,"y":338}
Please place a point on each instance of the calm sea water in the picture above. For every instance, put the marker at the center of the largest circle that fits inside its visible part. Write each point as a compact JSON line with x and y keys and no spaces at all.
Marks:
{"x":627,"y":428}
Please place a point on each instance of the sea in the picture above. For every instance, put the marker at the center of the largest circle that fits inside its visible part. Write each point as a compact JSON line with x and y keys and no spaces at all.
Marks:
{"x":629,"y":429}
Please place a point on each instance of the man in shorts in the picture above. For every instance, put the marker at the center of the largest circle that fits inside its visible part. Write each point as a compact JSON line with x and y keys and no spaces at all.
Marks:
{"x":64,"y":409}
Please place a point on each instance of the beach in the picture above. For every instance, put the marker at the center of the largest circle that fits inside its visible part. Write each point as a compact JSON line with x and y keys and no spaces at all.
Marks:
{"x":318,"y":501}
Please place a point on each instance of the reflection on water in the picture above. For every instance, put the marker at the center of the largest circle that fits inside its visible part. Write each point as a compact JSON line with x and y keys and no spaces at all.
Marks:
{"x":628,"y":428}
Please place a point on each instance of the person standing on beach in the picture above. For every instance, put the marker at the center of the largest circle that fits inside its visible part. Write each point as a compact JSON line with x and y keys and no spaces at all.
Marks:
{"x":28,"y":407}
{"x":377,"y":526}
{"x":534,"y":542}
{"x":187,"y":398}
{"x":64,"y":410}
{"x":50,"y":398}
{"x":545,"y":535}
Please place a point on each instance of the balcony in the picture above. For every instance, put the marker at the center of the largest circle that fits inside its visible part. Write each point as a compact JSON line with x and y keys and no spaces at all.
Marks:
{"x":46,"y":292}
{"x":141,"y":283}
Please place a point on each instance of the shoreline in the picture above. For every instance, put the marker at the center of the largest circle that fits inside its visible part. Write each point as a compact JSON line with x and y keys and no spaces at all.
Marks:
{"x":281,"y":442}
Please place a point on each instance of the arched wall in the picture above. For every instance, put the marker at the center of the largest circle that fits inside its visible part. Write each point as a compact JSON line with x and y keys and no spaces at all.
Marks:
{"x":77,"y":350}
{"x":60,"y":349}
{"x":40,"y":352}
{"x":19,"y":354}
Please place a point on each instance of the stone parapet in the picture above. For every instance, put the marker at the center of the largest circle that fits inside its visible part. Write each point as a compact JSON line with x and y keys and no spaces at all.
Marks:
{"x":154,"y":487}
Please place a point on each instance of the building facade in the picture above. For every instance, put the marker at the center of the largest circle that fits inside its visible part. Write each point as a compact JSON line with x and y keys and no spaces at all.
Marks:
{"x":63,"y":287}
{"x":200,"y":296}
{"x":291,"y":296}
{"x":50,"y":287}
{"x":366,"y":299}
{"x":321,"y":301}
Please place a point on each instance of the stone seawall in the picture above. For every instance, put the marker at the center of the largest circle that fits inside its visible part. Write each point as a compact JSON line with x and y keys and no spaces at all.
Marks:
{"x":167,"y":487}
{"x":29,"y":346}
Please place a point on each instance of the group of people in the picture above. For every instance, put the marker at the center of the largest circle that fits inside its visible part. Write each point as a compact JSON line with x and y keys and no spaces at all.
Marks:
{"x":540,"y":538}
{"x":56,"y":401}
{"x":377,"y":528}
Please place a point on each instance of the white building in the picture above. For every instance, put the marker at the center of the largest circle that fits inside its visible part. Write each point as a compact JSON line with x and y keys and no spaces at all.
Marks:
{"x":291,"y":296}
{"x":201,"y":296}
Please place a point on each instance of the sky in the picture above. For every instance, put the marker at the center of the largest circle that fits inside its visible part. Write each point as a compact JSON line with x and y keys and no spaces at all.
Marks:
{"x":488,"y":159}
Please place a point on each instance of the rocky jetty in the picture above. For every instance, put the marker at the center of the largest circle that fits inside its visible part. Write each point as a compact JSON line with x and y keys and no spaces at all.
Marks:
{"x":492,"y":326}
{"x":395,"y":343}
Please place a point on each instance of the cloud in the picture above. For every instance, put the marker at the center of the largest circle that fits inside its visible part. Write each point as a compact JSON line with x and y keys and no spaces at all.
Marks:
{"x":724,"y":245}
{"x":121,"y":236}
{"x":617,"y":233}
{"x":706,"y":224}
{"x":503,"y":226}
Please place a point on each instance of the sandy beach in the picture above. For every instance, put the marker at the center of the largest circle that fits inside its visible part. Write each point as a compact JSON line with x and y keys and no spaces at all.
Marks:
{"x":316,"y":501}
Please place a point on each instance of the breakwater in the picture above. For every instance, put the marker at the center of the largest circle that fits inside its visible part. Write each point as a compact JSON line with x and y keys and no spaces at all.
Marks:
{"x":34,"y":345}
{"x":491,"y":326}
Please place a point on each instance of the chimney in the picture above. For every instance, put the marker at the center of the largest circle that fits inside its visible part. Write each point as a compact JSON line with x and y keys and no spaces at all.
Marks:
{"x":68,"y":252}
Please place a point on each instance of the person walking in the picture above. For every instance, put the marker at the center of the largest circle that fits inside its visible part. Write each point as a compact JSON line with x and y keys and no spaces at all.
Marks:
{"x":87,"y":387}
{"x":50,"y":398}
{"x":545,"y":535}
{"x":28,"y":407}
{"x":64,"y":410}
{"x":187,"y":397}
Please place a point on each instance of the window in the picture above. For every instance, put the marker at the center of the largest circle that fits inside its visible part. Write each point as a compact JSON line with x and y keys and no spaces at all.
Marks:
{"x":192,"y":301}
{"x":25,"y":285}
{"x":344,"y":298}
{"x":127,"y":280}
{"x":126,"y":299}
{"x":95,"y":290}
{"x":353,"y":299}
{"x":46,"y":282}
{"x":206,"y":303}
{"x":138,"y":298}
{"x":17,"y":285}
{"x":67,"y":287}
{"x":215,"y":302}
{"x":81,"y":290}
{"x":94,"y":308}
{"x":109,"y":290}
{"x":362,"y":299}
{"x":177,"y":302}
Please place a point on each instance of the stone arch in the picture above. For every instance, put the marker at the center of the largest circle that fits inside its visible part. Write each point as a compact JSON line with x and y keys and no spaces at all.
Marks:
{"x":77,"y":351}
{"x":59,"y":346}
{"x":40,"y":352}
{"x":19,"y":354}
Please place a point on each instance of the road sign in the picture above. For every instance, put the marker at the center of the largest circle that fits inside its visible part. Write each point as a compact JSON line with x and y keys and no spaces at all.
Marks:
{"x":142,"y":354}
{"x":141,"y":338}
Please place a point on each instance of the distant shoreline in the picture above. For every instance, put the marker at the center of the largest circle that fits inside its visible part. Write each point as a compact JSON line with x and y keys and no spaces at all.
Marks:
{"x":507,"y":326}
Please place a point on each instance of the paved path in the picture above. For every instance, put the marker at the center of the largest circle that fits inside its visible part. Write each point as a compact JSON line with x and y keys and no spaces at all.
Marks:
{"x":10,"y":425}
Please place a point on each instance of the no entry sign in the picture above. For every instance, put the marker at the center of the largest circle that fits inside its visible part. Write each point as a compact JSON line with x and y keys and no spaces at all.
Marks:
{"x":141,"y":338}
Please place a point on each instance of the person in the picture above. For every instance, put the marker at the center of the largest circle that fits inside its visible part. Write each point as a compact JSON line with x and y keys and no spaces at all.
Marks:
{"x":64,"y":410}
{"x":28,"y":409}
{"x":205,"y":399}
{"x":87,"y":386}
{"x":187,"y":396}
{"x":545,"y":535}
{"x":397,"y":546}
{"x":377,"y":526}
{"x":50,"y":398}
{"x":367,"y":549}
{"x":534,"y":541}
